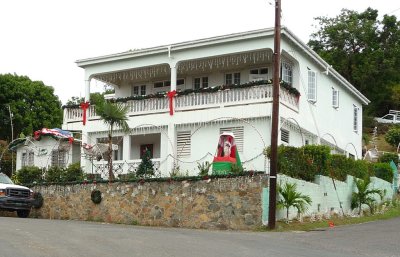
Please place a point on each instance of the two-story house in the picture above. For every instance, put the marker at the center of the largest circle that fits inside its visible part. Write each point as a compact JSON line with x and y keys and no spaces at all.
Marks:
{"x":222,"y":85}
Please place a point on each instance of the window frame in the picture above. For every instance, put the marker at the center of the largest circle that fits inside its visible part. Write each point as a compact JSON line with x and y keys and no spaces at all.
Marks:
{"x":312,"y":86}
{"x":287,"y":72}
{"x":356,"y":115}
{"x":335,"y":98}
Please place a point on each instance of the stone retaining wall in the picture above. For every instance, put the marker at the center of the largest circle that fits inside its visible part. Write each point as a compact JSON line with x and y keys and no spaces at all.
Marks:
{"x":223,"y":203}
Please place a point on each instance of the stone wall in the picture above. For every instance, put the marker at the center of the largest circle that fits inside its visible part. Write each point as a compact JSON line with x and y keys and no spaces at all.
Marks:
{"x":223,"y":203}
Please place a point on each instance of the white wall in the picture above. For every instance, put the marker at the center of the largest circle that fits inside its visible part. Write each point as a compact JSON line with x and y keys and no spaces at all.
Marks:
{"x":42,"y":152}
{"x":325,"y":199}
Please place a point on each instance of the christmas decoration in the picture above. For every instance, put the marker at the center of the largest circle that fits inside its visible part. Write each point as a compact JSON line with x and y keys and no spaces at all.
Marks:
{"x":84,"y":106}
{"x":227,"y":160}
{"x":38,"y":200}
{"x":96,"y":196}
{"x":171,"y":96}
{"x":146,"y":167}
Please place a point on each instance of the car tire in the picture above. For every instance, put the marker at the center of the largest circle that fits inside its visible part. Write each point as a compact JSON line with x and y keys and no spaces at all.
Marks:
{"x":23,"y":213}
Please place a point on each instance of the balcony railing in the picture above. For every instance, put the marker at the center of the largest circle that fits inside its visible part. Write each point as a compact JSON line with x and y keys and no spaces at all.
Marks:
{"x":193,"y":101}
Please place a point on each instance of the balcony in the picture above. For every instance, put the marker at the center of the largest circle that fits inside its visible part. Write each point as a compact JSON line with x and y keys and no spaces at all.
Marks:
{"x":194,"y":101}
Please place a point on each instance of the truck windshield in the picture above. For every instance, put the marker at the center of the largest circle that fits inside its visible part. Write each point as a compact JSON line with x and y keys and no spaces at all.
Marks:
{"x":4,"y":179}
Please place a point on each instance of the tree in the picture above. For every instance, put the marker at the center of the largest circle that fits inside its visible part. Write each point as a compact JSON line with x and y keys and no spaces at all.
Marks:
{"x":113,"y":115}
{"x":393,"y":136}
{"x":146,"y":167}
{"x":32,"y":103}
{"x":291,"y":198}
{"x":95,"y":99}
{"x":365,"y":51}
{"x":363,"y":195}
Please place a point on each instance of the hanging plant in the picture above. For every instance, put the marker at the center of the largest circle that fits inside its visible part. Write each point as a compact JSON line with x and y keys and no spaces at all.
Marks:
{"x":38,"y":200}
{"x":96,"y":196}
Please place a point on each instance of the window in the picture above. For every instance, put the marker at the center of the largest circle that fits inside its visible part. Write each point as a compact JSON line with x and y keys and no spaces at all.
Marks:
{"x":312,"y":86}
{"x":355,"y":118}
{"x":180,"y":82}
{"x":27,"y":158}
{"x":143,"y":90}
{"x":287,"y":74}
{"x":335,"y":98}
{"x":200,"y":82}
{"x":259,"y":71}
{"x":158,"y":84}
{"x":285,"y":135}
{"x":167,"y":83}
{"x":138,"y":90}
{"x":232,"y":78}
{"x":183,"y":143}
{"x":58,"y":158}
{"x":238,"y":132}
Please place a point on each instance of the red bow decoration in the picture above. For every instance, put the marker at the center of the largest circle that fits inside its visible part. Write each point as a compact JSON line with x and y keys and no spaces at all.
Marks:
{"x":171,"y":96}
{"x":84,"y":106}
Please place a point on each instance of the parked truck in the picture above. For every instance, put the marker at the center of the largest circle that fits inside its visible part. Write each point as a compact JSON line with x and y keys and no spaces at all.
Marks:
{"x":392,"y":117}
{"x":14,"y":197}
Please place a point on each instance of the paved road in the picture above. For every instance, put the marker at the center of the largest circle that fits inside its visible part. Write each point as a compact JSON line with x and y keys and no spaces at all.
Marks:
{"x":55,"y":238}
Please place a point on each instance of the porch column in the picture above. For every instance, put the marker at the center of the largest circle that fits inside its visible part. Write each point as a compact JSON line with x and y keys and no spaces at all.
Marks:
{"x":171,"y":152}
{"x":87,"y":90}
{"x":173,"y":76}
{"x":126,"y":142}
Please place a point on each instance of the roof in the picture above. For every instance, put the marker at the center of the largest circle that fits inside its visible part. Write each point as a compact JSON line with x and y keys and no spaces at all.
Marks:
{"x":267,"y":32}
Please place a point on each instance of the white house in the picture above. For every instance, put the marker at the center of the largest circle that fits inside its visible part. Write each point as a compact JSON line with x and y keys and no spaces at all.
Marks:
{"x":46,"y":152}
{"x":328,"y":110}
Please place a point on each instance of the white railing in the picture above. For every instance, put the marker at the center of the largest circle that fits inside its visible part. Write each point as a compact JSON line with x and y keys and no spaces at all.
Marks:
{"x":237,"y":96}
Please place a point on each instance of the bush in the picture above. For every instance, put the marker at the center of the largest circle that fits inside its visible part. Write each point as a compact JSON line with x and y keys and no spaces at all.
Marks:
{"x":383,"y":171}
{"x":54,"y":174}
{"x":73,"y":173}
{"x":387,"y":157}
{"x":29,"y":175}
{"x":393,"y":136}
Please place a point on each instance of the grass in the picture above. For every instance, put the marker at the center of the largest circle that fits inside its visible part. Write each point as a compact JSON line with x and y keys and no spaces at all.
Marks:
{"x":282,"y":226}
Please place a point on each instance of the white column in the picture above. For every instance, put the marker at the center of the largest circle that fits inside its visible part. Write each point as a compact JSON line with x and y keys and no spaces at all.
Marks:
{"x":126,"y":148}
{"x":87,"y":90}
{"x":173,"y":76}
{"x":171,"y":148}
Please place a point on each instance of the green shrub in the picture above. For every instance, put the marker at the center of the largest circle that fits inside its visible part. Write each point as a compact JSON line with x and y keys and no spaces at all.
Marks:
{"x":387,"y":157}
{"x":55,"y":174}
{"x":393,"y":136}
{"x":29,"y":175}
{"x":383,"y":171}
{"x":204,"y":168}
{"x":320,"y":155}
{"x":73,"y":173}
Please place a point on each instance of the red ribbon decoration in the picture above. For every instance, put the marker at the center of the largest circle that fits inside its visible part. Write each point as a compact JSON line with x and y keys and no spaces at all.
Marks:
{"x":84,"y":106}
{"x":171,"y":96}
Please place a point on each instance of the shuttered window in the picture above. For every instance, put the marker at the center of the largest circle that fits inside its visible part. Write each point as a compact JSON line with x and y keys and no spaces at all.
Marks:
{"x":285,"y":135}
{"x":238,"y":132}
{"x":183,"y":143}
{"x":312,"y":86}
{"x":58,"y":158}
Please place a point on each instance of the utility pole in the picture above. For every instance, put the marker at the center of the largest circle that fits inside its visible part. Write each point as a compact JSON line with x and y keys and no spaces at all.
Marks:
{"x":12,"y":138}
{"x":275,"y":118}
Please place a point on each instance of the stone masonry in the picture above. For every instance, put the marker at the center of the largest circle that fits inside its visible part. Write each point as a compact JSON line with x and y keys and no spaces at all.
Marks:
{"x":218,"y":203}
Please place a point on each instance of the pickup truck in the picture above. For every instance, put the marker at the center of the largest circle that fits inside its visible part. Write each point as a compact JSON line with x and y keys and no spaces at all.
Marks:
{"x":14,"y":197}
{"x":392,"y":117}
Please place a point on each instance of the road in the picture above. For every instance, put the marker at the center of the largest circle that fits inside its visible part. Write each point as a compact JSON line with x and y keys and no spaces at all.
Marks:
{"x":57,"y":238}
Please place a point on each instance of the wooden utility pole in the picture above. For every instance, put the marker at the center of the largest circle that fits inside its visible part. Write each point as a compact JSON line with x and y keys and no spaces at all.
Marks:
{"x":275,"y":118}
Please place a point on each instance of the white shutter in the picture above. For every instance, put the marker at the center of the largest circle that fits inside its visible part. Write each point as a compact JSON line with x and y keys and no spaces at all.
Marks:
{"x":238,"y":132}
{"x":183,"y":143}
{"x":312,"y":86}
{"x":285,"y":135}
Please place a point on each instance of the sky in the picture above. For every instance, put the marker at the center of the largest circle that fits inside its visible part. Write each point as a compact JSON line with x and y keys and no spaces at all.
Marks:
{"x":42,"y":39}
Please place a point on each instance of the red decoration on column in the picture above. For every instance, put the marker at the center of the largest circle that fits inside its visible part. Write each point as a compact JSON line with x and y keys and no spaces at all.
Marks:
{"x":84,"y":106}
{"x":171,"y":96}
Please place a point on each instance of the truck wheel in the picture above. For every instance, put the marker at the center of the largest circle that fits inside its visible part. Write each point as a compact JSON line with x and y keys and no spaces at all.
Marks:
{"x":23,"y":213}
